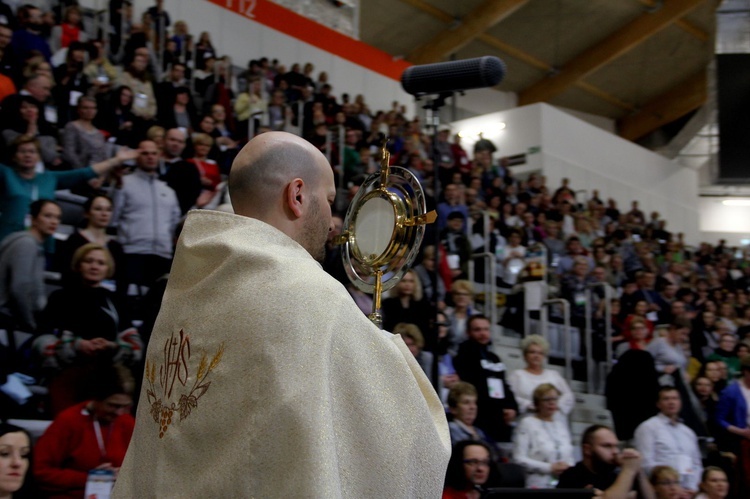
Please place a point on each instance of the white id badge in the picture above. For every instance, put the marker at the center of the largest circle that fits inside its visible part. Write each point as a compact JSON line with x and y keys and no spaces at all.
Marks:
{"x":495,"y":388}
{"x":99,"y":484}
{"x":141,"y":100}
{"x":27,"y":221}
{"x":580,"y":299}
{"x":50,"y":114}
{"x":652,"y":316}
{"x":74,"y":96}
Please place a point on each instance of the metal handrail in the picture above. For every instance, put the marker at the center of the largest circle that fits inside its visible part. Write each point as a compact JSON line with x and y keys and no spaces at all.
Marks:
{"x":590,"y":368}
{"x":490,"y":269}
{"x":544,"y":323}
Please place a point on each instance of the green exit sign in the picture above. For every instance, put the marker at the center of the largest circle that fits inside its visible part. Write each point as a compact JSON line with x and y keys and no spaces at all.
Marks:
{"x":534,"y":150}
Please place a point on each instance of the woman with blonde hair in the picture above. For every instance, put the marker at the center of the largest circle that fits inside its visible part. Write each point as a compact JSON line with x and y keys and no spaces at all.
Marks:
{"x":666,"y":482}
{"x":462,"y":292}
{"x":414,"y":340}
{"x":542,"y":442}
{"x":207,"y":167}
{"x":523,"y":382}
{"x":407,"y":304}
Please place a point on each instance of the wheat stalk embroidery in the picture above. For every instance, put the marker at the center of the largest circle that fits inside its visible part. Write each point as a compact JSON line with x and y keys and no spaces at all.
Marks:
{"x":176,"y":370}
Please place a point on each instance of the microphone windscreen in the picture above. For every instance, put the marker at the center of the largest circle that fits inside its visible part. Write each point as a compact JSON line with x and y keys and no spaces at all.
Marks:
{"x":453,"y":76}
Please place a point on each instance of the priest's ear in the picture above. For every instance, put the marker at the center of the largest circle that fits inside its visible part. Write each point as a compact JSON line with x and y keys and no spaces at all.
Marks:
{"x":296,"y":196}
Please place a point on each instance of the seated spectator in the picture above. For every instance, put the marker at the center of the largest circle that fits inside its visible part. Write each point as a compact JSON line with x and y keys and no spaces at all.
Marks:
{"x":183,"y":177}
{"x":462,"y":293}
{"x":23,"y":119}
{"x":118,"y":121}
{"x":91,"y":435}
{"x":88,"y":325}
{"x":470,"y":470}
{"x":208,"y":169}
{"x":638,"y":338}
{"x":714,"y":484}
{"x":475,"y":363}
{"x":157,"y":134}
{"x":703,"y":336}
{"x":414,"y":340}
{"x":98,"y":213}
{"x":664,"y":440}
{"x":462,"y":404}
{"x":100,"y":71}
{"x":726,"y":352}
{"x":69,"y":30}
{"x":542,"y":442}
{"x":19,"y":181}
{"x":407,"y":304}
{"x":225,"y":138}
{"x":22,"y":263}
{"x":523,"y":382}
{"x":666,"y":483}
{"x":83,"y":143}
{"x":599,"y":467}
{"x":457,"y":246}
{"x":511,"y":259}
{"x":15,"y":460}
{"x":250,"y":105}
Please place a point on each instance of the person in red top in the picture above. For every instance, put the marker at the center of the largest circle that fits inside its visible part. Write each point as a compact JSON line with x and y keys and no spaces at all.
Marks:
{"x":87,"y":436}
{"x":208,"y":169}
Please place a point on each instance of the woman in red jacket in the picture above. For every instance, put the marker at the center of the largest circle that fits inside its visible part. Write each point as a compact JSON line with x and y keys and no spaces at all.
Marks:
{"x":92,"y":435}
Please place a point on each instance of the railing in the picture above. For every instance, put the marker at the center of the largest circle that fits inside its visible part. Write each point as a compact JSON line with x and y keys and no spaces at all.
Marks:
{"x":590,"y":363}
{"x":490,"y":271}
{"x":544,"y":329}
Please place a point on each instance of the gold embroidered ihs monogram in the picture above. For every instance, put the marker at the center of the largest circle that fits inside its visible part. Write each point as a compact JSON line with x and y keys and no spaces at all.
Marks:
{"x":175,"y":370}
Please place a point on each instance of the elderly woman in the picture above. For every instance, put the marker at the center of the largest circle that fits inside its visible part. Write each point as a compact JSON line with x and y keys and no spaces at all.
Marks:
{"x":94,"y":434}
{"x":542,"y":443}
{"x":523,"y":382}
{"x":462,"y":404}
{"x":407,"y":304}
{"x":666,"y":482}
{"x":87,"y":327}
{"x":20,"y":184}
{"x":462,"y":293}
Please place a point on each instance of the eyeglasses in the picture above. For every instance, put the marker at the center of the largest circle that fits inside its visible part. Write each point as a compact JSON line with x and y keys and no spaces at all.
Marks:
{"x":549,"y":399}
{"x":477,"y":462}
{"x":668,"y":483}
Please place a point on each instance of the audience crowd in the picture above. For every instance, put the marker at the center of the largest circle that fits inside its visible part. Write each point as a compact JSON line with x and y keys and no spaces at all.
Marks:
{"x":143,"y":125}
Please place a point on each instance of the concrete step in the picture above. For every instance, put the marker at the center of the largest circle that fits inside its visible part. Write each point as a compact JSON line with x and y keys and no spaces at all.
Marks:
{"x":591,"y":416}
{"x":590,"y":401}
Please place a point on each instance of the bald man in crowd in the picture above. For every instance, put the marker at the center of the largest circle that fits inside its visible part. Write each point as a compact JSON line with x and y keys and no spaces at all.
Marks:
{"x":263,"y":378}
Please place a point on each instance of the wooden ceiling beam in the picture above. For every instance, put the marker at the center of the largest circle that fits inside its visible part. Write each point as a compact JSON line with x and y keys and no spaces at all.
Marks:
{"x":688,"y":96}
{"x":684,"y":25}
{"x":618,"y":43}
{"x":520,"y":55}
{"x":471,"y":26}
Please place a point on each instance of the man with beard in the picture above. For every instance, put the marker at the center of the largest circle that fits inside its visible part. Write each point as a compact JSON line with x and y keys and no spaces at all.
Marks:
{"x":599,"y":467}
{"x":29,"y":38}
{"x":263,"y":361}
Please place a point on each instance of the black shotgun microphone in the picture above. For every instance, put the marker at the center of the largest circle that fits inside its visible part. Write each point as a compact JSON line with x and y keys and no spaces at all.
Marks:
{"x":453,"y":76}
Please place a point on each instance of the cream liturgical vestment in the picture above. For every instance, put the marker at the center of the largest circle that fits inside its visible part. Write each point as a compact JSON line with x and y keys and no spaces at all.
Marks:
{"x":264,"y":379}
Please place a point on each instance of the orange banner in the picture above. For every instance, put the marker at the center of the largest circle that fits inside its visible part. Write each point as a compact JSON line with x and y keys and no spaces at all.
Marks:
{"x":290,"y":23}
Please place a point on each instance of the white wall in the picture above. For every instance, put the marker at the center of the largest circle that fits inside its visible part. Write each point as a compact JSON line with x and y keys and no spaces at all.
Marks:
{"x":723,"y":222}
{"x":593,"y":158}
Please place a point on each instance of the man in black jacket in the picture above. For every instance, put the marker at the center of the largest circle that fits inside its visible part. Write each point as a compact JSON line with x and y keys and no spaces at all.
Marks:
{"x":476,"y":364}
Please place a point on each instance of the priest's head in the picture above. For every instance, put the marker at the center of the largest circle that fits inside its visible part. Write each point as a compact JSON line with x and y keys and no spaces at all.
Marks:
{"x":284,"y":181}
